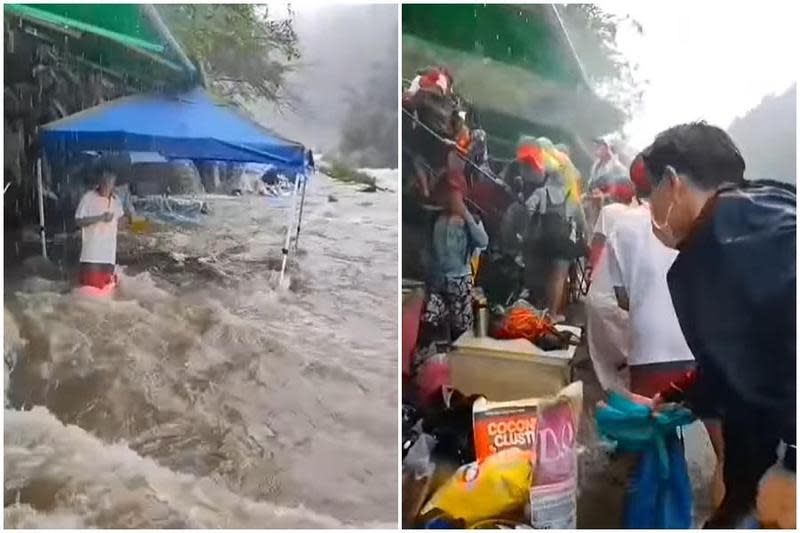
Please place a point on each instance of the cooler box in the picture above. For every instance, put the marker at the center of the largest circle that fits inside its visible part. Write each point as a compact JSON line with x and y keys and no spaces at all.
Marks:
{"x":505,"y":370}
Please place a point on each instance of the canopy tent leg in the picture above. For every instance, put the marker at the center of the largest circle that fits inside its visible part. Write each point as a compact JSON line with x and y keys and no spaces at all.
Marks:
{"x":300,"y":216}
{"x":290,"y":227}
{"x":40,"y":188}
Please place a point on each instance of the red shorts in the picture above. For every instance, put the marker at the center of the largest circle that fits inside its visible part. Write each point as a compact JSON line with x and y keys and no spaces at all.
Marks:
{"x":649,"y":380}
{"x":96,"y":275}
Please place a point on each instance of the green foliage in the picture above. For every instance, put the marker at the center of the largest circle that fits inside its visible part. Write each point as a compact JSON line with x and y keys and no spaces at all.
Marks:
{"x":245,"y":54}
{"x":343,"y":172}
{"x":593,"y":32}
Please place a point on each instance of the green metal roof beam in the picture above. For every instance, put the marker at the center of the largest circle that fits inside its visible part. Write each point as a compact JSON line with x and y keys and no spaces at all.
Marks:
{"x":35,"y":14}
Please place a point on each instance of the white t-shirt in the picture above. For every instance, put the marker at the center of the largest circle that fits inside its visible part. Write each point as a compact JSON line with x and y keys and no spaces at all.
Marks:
{"x":639,"y":262}
{"x":99,"y":240}
{"x":609,"y":214}
{"x":609,"y":217}
{"x":608,"y":335}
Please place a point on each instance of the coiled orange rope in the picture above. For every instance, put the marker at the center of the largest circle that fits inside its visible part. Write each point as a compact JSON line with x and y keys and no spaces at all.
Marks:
{"x":521,"y":323}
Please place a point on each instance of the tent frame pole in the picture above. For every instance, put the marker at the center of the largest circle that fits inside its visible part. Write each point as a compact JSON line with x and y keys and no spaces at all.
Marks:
{"x":300,"y":216}
{"x":293,"y":210}
{"x":40,"y":189}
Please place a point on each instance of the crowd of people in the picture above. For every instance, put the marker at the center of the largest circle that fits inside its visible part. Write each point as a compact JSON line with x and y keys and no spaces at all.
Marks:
{"x":542,"y":188}
{"x":692,"y":297}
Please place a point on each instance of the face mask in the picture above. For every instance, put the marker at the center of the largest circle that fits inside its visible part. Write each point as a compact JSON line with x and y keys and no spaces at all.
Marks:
{"x":662,"y":230}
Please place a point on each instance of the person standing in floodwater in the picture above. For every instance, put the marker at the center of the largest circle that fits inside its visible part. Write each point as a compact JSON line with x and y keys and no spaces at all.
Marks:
{"x":98,"y":215}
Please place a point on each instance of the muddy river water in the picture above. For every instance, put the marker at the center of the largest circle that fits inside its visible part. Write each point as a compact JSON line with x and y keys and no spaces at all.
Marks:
{"x":203,"y":396}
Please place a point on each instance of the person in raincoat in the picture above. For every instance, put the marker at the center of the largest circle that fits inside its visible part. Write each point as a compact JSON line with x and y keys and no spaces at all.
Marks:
{"x":733,"y":286}
{"x":637,"y":265}
{"x":607,"y":168}
{"x":606,"y":173}
{"x":567,"y":168}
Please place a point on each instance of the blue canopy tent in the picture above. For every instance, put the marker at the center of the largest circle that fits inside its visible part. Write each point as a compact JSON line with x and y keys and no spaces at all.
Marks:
{"x":189,"y":125}
{"x":192,"y":125}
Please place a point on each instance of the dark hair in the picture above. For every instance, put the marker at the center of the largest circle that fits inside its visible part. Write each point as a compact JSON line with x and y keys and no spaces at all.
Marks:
{"x":704,"y":153}
{"x":103,"y":170}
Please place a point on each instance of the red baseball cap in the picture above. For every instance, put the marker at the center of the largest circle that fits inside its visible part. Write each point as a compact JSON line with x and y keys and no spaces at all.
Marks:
{"x":532,"y":156}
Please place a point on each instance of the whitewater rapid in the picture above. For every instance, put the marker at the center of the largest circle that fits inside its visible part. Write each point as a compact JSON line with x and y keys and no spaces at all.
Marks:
{"x":202,"y":396}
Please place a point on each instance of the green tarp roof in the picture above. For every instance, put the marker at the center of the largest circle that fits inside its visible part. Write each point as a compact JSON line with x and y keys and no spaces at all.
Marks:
{"x":523,"y":36}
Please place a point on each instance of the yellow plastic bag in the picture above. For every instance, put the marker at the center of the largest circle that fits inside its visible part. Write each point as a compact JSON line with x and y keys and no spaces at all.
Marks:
{"x":476,"y":492}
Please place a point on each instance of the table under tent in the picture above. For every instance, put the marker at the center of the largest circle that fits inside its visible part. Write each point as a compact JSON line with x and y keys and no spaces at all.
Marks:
{"x":189,"y":125}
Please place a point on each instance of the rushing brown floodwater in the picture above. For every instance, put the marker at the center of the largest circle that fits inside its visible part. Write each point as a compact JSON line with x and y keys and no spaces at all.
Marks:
{"x":201,"y":396}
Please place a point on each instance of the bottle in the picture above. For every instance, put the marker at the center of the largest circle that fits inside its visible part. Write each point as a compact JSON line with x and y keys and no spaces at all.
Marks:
{"x":481,"y":314}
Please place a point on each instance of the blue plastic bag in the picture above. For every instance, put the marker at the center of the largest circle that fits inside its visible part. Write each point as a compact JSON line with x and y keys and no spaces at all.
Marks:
{"x":660,"y":493}
{"x":657,"y":499}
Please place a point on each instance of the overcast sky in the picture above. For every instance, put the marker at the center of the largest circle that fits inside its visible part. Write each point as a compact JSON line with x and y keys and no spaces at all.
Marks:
{"x":341,"y":45}
{"x":707,"y":60}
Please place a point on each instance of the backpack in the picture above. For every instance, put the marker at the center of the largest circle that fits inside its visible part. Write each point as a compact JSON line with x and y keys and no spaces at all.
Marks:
{"x":551,"y":232}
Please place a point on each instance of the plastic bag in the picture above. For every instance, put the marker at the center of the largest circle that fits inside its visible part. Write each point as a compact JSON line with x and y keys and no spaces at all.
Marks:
{"x":554,"y":495}
{"x":555,"y":505}
{"x":657,"y":499}
{"x":476,"y":492}
{"x":418,"y":470}
{"x":418,"y":461}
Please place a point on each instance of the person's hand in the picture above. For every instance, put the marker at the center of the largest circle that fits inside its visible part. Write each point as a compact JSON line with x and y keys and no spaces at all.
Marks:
{"x":655,"y":403}
{"x":638,"y":398}
{"x":108,"y":216}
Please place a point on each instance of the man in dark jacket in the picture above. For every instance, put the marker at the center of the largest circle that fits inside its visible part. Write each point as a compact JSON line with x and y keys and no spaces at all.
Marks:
{"x":733,"y":288}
